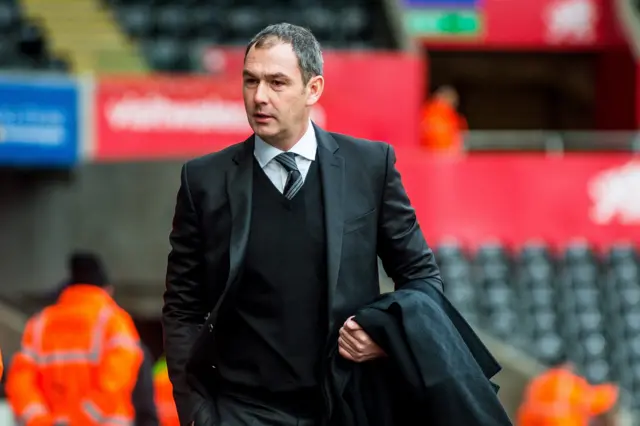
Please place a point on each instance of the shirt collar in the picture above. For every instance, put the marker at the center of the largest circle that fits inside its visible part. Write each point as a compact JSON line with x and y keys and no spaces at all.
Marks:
{"x":306,"y":147}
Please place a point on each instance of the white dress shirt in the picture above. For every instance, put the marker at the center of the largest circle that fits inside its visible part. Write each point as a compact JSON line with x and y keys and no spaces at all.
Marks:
{"x":305,"y":150}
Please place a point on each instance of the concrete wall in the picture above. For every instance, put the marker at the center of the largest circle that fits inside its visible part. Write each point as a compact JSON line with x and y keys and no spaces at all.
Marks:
{"x":122,"y":211}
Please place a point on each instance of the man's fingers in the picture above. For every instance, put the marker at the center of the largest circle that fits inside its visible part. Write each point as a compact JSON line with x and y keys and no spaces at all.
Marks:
{"x":359,"y":337}
{"x":345,"y":354}
{"x":349,"y":353}
{"x":343,"y":341}
{"x":346,"y":347}
{"x":355,"y":340}
{"x":350,"y":324}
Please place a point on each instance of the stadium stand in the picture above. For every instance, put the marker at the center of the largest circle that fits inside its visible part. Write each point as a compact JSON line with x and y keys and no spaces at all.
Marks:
{"x":173,"y":35}
{"x":23,"y":45}
{"x":574,"y":303}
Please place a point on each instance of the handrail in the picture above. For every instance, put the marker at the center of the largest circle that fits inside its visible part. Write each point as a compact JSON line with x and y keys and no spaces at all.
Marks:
{"x":555,"y":142}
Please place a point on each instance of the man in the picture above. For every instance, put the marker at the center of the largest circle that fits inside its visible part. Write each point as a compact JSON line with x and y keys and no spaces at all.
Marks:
{"x":274,"y":248}
{"x":79,"y":358}
{"x":441,"y":125}
{"x":560,"y":396}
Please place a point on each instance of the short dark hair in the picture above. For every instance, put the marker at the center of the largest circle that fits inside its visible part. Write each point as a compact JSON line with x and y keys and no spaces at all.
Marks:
{"x":558,"y":360}
{"x":87,"y":268}
{"x":304,"y":44}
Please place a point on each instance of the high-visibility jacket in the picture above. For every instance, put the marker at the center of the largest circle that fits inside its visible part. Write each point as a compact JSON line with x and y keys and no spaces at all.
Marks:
{"x":560,"y":397}
{"x":167,"y":410}
{"x":441,"y":127}
{"x":78,"y":363}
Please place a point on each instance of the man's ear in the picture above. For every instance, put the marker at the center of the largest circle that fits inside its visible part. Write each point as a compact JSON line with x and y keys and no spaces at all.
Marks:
{"x":315,"y":87}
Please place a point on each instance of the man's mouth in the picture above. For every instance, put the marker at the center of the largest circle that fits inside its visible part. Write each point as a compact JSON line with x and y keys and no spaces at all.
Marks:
{"x":261,"y":118}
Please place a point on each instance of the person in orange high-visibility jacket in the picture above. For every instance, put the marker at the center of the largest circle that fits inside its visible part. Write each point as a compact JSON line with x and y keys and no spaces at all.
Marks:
{"x":560,"y":397}
{"x":167,"y":410}
{"x":79,"y":359}
{"x":441,"y":125}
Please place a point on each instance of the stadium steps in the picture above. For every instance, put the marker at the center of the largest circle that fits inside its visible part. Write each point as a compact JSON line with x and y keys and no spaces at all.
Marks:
{"x":88,"y":34}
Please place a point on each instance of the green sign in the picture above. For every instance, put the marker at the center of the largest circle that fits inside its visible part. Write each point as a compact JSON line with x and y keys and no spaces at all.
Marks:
{"x":430,"y":22}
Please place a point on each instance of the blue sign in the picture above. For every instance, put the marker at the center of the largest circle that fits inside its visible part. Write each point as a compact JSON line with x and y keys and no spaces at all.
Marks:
{"x":39,"y":123}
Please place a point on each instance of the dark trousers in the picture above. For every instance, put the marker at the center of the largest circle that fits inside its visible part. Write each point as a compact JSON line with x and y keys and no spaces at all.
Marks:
{"x":241,"y":408}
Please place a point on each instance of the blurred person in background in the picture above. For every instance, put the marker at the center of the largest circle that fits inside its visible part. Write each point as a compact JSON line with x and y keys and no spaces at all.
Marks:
{"x":561,"y":397}
{"x":143,"y":400}
{"x":441,"y":125}
{"x":274,"y":246}
{"x":80,"y":357}
{"x":163,"y":391}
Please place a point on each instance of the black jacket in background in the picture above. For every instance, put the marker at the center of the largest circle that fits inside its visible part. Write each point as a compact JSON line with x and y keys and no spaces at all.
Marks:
{"x":143,"y":393}
{"x":437,"y":372}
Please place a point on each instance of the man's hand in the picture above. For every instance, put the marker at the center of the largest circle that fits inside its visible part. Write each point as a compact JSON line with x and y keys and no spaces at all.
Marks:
{"x":355,"y":344}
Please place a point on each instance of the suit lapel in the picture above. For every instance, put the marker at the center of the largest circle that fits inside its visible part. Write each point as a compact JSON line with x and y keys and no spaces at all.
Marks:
{"x":332,"y":176}
{"x":239,"y":191}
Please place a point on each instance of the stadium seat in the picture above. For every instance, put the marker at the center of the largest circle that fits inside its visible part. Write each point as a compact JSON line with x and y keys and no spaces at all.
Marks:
{"x":542,"y":320}
{"x":9,"y":17}
{"x":166,"y":54}
{"x":449,"y":251}
{"x":534,"y":251}
{"x":320,"y":20}
{"x":492,"y":264}
{"x":8,"y":51}
{"x":354,"y":24}
{"x":538,"y":297}
{"x":336,"y":23}
{"x":58,"y":64}
{"x":578,"y":252}
{"x":31,"y":40}
{"x":546,"y":347}
{"x":548,"y":303}
{"x":207,"y":22}
{"x":491,"y":251}
{"x":243,"y":23}
{"x":622,"y":253}
{"x":23,"y":45}
{"x":597,"y":370}
{"x":136,"y":20}
{"x":628,"y":298}
{"x":503,"y":322}
{"x":174,"y":21}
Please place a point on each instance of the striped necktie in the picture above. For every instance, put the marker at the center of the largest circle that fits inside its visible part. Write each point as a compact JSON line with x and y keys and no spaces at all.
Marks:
{"x":294,"y":180}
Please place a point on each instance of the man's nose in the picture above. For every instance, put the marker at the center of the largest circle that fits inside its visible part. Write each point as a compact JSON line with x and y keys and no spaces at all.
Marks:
{"x":261,"y":95}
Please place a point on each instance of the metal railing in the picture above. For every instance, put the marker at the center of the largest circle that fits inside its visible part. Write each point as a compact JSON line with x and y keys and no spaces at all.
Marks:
{"x":552,"y":141}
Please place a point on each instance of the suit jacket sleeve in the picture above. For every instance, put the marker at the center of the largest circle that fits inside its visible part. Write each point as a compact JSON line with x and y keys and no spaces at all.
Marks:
{"x":405,"y":255}
{"x":183,"y":311}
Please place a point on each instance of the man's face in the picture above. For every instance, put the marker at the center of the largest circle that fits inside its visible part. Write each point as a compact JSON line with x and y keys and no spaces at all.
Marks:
{"x":276,"y":99}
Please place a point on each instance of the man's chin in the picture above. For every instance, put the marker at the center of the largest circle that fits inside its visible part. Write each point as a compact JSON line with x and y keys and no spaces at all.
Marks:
{"x":265,"y":131}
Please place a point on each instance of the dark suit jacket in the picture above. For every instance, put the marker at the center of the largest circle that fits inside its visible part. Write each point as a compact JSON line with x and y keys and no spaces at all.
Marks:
{"x":437,"y":371}
{"x":367,"y":214}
